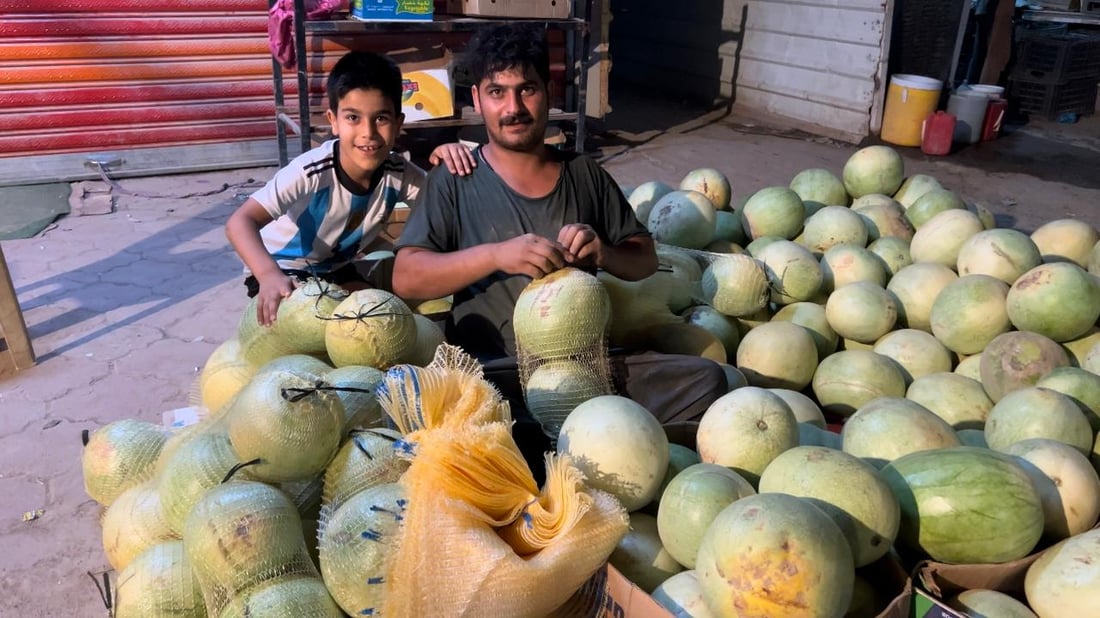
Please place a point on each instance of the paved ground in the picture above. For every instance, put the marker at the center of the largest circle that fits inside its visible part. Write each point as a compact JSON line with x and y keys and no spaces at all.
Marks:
{"x":125,"y":307}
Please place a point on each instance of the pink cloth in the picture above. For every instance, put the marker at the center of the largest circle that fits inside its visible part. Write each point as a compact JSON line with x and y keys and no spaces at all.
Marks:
{"x":280,"y":25}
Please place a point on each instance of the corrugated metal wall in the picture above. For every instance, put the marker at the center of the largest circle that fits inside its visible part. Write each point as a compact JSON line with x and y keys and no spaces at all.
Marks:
{"x":169,"y":85}
{"x":817,"y":62}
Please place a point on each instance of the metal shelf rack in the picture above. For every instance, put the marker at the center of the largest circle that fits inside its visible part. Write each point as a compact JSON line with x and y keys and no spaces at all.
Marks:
{"x":576,"y":45}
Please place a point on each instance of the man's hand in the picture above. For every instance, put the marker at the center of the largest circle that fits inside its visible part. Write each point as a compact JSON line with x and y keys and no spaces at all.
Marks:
{"x":582,"y":244}
{"x":273,"y":289}
{"x":530,"y":255}
{"x":458,"y":158}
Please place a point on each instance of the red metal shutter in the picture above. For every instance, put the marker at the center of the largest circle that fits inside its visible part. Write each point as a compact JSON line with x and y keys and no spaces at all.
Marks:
{"x":168,"y":86}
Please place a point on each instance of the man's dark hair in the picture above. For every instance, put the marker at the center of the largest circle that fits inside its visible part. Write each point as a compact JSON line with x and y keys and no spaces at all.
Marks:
{"x":364,"y":70}
{"x":511,"y":46}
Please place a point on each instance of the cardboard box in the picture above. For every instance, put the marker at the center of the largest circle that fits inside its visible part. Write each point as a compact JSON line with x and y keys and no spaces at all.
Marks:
{"x":936,"y":582}
{"x":426,"y":88}
{"x":392,"y":10}
{"x":608,"y":594}
{"x":538,"y":9}
{"x":427,"y":94}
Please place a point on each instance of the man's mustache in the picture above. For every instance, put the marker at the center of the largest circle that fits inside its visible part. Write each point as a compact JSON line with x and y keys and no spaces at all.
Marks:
{"x":517,"y":119}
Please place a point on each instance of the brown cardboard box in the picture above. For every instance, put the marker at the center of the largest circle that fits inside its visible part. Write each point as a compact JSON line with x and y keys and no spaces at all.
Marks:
{"x":538,"y":9}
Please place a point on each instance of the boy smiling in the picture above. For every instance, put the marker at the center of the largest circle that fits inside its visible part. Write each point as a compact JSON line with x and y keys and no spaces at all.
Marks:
{"x":320,"y":212}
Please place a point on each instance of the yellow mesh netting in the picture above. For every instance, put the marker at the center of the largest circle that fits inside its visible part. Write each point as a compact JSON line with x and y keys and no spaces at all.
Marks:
{"x":478,"y":537}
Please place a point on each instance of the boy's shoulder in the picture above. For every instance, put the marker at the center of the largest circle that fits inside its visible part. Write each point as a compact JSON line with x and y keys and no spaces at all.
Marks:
{"x":314,"y":161}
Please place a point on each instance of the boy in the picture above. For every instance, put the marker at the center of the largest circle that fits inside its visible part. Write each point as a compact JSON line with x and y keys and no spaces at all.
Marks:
{"x":320,"y":212}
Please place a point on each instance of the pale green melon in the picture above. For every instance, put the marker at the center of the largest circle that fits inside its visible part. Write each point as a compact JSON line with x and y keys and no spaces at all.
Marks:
{"x":1067,"y":485}
{"x":844,"y":264}
{"x":773,"y":211}
{"x":982,"y":602}
{"x":916,"y":352}
{"x":1065,"y":580}
{"x":1034,"y":412}
{"x":833,"y":225}
{"x":969,"y":313}
{"x":874,"y":169}
{"x":355,"y":542}
{"x":883,"y":218}
{"x":847,"y":380}
{"x":359,"y":384}
{"x":711,"y":183}
{"x":1002,"y":253}
{"x":370,"y":327}
{"x":931,"y":204}
{"x":848,"y":489}
{"x":736,"y":285}
{"x":1079,"y":348}
{"x":957,"y":399}
{"x":970,"y":367}
{"x":789,"y":557}
{"x":821,"y":186}
{"x":727,"y":226}
{"x":894,"y":253}
{"x":804,"y":408}
{"x":682,"y":596}
{"x":914,"y":187}
{"x":940,"y":239}
{"x":1077,"y":384}
{"x":716,"y":323}
{"x":1058,"y":300}
{"x":640,"y":557}
{"x":1016,"y":360}
{"x":813,"y":318}
{"x":692,"y":500}
{"x":890,"y":427}
{"x":915,"y":289}
{"x":862,"y":311}
{"x":1066,"y":240}
{"x":746,"y":429}
{"x":778,"y":355}
{"x":683,"y":219}
{"x":645,"y":196}
{"x":794,"y":274}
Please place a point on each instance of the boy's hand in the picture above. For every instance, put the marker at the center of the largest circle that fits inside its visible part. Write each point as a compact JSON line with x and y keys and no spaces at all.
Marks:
{"x":458,"y":158}
{"x":529,"y":255}
{"x":582,"y":244}
{"x":273,"y":289}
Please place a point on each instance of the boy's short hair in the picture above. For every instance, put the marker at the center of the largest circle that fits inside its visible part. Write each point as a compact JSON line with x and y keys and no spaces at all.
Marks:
{"x":364,"y":70}
{"x":511,"y":46}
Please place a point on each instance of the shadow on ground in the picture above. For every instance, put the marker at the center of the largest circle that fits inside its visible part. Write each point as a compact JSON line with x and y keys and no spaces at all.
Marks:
{"x":147,"y":281}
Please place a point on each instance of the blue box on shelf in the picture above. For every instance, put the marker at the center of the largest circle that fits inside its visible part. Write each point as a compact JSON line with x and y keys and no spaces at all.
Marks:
{"x":392,"y":10}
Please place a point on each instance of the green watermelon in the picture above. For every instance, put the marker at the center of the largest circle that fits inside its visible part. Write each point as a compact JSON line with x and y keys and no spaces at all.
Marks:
{"x":965,"y":505}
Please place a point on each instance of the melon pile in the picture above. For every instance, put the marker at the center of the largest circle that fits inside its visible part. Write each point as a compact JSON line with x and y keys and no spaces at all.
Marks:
{"x":957,"y":363}
{"x":281,"y":500}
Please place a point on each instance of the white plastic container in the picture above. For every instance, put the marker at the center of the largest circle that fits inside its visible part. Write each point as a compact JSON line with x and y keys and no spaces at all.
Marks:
{"x":968,"y":107}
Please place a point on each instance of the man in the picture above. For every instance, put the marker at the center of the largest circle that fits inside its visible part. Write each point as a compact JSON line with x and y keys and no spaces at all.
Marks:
{"x":524,"y":211}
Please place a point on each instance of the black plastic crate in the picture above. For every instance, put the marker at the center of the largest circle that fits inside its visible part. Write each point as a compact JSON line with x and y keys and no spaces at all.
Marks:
{"x":1076,"y":96}
{"x":1056,"y":58}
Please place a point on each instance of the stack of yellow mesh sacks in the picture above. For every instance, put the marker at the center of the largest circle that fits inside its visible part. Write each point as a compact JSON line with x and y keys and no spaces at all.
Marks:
{"x":478,"y":538}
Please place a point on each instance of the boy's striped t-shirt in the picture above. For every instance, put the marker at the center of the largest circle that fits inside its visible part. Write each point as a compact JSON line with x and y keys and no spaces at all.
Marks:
{"x":320,"y":223}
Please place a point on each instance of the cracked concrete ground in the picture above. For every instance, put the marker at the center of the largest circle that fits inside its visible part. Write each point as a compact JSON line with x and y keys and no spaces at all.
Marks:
{"x":125,"y":307}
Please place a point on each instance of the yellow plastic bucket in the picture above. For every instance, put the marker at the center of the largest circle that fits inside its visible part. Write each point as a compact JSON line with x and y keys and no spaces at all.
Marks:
{"x":909,"y":101}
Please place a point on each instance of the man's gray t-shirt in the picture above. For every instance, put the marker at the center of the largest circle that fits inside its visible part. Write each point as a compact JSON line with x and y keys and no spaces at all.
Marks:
{"x":459,"y":212}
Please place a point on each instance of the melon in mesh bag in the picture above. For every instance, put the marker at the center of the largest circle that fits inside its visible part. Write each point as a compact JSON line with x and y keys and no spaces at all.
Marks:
{"x":241,"y":534}
{"x":159,"y":582}
{"x":118,"y":456}
{"x":299,"y":327}
{"x":561,"y":323}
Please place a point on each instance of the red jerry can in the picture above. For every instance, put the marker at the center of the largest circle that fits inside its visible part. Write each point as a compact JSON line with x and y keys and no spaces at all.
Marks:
{"x":937,"y":133}
{"x":994,"y":114}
